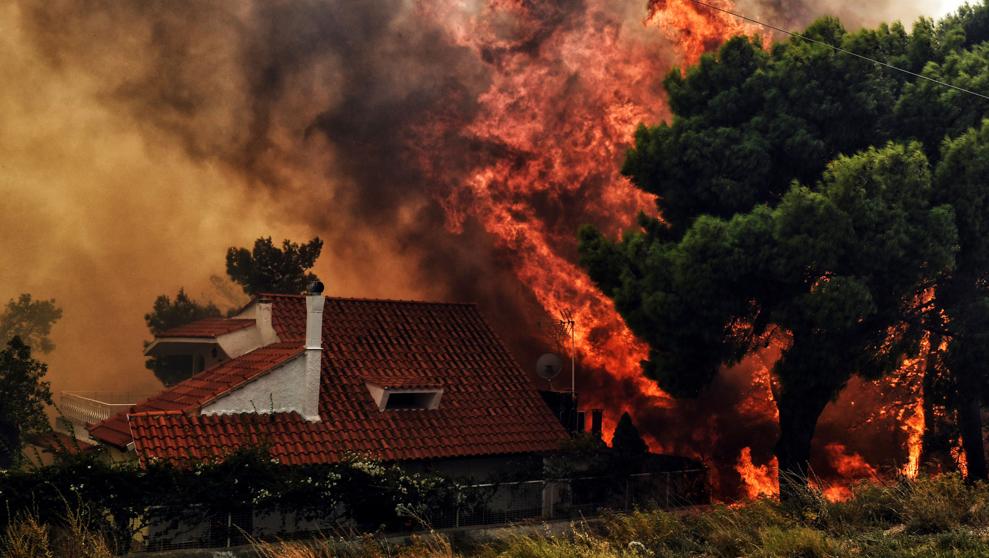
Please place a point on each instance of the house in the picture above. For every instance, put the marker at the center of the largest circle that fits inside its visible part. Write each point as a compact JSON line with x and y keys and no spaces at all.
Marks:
{"x":319,"y":378}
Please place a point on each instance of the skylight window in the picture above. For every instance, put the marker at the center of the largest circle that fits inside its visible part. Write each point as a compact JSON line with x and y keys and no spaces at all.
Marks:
{"x":405,"y":399}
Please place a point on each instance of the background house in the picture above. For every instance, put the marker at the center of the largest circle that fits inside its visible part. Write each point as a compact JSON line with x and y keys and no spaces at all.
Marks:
{"x":315,"y":379}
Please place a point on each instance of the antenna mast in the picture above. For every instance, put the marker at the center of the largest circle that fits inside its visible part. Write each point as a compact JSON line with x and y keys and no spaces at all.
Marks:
{"x":569,"y":325}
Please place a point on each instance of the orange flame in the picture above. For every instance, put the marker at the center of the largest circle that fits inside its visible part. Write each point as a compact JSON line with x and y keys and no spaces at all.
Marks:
{"x":610,"y":71}
{"x":850,"y":467}
{"x":914,"y":427}
{"x":561,"y":108}
{"x":958,"y":454}
{"x":757,"y":480}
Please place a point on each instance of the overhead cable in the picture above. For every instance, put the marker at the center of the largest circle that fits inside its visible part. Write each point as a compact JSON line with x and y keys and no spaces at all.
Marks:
{"x":839,"y":49}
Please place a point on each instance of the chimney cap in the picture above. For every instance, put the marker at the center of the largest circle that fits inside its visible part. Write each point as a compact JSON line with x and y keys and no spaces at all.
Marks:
{"x":315,"y":287}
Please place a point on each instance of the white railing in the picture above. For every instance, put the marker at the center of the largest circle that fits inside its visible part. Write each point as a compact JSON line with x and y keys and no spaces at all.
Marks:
{"x":90,"y":407}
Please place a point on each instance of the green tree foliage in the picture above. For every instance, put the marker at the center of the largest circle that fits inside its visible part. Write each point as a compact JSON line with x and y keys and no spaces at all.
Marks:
{"x":24,"y":396}
{"x":122,"y":499}
{"x":166,"y":314}
{"x":31,"y":320}
{"x":741,"y":252}
{"x":270,"y":269}
{"x":962,"y":179}
{"x":833,"y":266}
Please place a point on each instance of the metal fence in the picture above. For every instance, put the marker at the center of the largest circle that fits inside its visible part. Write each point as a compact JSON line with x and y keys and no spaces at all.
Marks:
{"x":477,"y":505}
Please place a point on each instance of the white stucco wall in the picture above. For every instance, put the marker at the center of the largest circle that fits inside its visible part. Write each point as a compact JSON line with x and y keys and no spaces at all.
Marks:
{"x":241,"y":341}
{"x":282,"y":390}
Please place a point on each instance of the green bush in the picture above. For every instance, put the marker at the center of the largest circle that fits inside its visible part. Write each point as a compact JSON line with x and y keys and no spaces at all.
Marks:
{"x":659,"y":532}
{"x":796,"y":542}
{"x":872,"y":506}
{"x":729,"y":532}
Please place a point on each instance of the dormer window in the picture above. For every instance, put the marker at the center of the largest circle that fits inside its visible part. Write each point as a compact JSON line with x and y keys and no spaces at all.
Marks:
{"x":404,"y":395}
{"x":409,"y":400}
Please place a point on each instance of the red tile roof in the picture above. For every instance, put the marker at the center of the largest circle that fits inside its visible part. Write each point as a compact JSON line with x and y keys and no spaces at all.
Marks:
{"x":200,"y":389}
{"x":402,"y":382}
{"x":185,"y":436}
{"x":207,"y":328}
{"x":489,"y":405}
{"x":58,"y":442}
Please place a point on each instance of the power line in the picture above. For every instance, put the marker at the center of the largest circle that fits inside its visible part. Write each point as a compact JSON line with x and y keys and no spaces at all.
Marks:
{"x":839,"y":49}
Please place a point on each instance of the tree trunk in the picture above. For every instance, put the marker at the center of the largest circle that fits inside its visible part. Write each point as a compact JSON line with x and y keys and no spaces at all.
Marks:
{"x":935,"y":451}
{"x":10,"y":444}
{"x":799,"y":413}
{"x":966,"y":357}
{"x":970,"y":425}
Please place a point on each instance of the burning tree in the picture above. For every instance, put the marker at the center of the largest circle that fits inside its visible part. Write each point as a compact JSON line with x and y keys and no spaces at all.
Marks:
{"x":836,"y":269}
{"x":841,"y":273}
{"x":962,"y":324}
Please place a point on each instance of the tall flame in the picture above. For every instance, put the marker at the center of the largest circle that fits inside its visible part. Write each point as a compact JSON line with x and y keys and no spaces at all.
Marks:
{"x":567,"y":92}
{"x":757,"y":480}
{"x":565,"y":118}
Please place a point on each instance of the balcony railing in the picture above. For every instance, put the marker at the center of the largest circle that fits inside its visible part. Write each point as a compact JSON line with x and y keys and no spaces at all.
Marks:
{"x":89,"y":407}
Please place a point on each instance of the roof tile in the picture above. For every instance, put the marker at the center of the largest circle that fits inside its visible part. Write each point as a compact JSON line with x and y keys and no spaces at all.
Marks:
{"x":207,"y":327}
{"x":489,"y":406}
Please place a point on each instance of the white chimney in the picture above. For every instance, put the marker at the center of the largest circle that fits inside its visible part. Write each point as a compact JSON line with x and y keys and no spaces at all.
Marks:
{"x":262,"y":316}
{"x":314,"y":351}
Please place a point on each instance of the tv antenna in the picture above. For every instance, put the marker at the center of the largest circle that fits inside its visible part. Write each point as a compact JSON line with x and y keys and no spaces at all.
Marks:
{"x":548,"y":367}
{"x":564,"y":335}
{"x":569,"y":326}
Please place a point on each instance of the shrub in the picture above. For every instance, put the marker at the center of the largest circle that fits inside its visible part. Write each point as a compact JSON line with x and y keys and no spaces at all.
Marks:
{"x":429,"y":546}
{"x":872,"y":505}
{"x":581,"y":544}
{"x":659,"y":532}
{"x":937,"y":504}
{"x":795,"y":542}
{"x":28,"y":537}
{"x":731,"y":532}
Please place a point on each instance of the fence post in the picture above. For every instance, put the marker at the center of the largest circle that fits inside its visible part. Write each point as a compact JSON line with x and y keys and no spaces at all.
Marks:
{"x":667,"y":489}
{"x":549,"y":499}
{"x":229,"y":526}
{"x":456,"y":518}
{"x":628,"y":489}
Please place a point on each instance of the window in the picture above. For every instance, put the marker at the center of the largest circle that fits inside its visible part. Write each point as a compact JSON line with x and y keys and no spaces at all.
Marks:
{"x":406,"y":400}
{"x":394,"y":398}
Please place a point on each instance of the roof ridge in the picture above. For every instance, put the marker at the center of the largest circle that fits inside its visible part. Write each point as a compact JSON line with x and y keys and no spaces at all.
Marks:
{"x":262,"y":372}
{"x":276,"y":345}
{"x":366,"y":299}
{"x":156,"y":412}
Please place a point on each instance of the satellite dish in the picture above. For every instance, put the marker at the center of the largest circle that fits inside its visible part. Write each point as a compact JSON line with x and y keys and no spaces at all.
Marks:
{"x":548,"y":366}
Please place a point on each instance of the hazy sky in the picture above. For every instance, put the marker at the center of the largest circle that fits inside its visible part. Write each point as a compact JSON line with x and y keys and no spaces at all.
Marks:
{"x":945,"y":6}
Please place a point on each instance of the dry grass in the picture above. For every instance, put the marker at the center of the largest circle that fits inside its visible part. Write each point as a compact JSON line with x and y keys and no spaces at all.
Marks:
{"x":431,"y":545}
{"x":938,"y":517}
{"x":28,"y":538}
